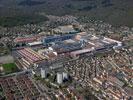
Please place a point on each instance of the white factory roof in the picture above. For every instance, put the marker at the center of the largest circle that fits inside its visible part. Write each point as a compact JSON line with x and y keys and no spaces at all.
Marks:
{"x":82,"y":51}
{"x":35,"y":43}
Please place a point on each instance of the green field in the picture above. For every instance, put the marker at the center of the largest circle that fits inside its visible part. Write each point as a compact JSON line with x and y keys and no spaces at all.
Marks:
{"x":10,"y":68}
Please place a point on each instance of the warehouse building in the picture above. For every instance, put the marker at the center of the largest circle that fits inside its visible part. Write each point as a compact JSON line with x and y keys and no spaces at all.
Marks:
{"x":57,"y":38}
{"x":63,"y":47}
{"x":93,"y":44}
{"x":28,"y":57}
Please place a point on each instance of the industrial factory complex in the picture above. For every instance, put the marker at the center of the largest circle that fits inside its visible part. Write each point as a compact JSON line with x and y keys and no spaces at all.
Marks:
{"x":49,"y":48}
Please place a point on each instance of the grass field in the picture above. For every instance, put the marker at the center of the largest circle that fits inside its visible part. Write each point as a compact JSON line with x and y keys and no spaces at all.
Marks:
{"x":10,"y":68}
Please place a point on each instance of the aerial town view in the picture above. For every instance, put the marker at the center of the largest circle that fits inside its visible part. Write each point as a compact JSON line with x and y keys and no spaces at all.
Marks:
{"x":82,"y":51}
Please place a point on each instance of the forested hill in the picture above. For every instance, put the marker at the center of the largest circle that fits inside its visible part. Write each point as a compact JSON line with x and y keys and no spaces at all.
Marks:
{"x":116,"y":12}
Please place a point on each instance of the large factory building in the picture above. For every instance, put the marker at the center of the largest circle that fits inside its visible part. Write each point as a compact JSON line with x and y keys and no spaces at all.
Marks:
{"x":52,"y":39}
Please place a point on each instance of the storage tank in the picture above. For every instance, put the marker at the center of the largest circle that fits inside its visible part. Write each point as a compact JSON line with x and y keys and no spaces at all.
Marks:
{"x":59,"y":78}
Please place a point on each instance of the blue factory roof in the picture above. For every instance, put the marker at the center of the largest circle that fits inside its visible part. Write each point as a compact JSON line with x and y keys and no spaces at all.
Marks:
{"x":58,"y":38}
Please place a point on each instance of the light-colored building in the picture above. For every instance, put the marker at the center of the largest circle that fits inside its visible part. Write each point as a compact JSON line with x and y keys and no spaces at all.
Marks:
{"x":59,"y":78}
{"x":43,"y":73}
{"x":65,"y":75}
{"x":35,"y":43}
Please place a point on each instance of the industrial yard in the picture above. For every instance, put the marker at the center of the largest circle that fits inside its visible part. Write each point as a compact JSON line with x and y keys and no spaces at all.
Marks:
{"x":70,"y":45}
